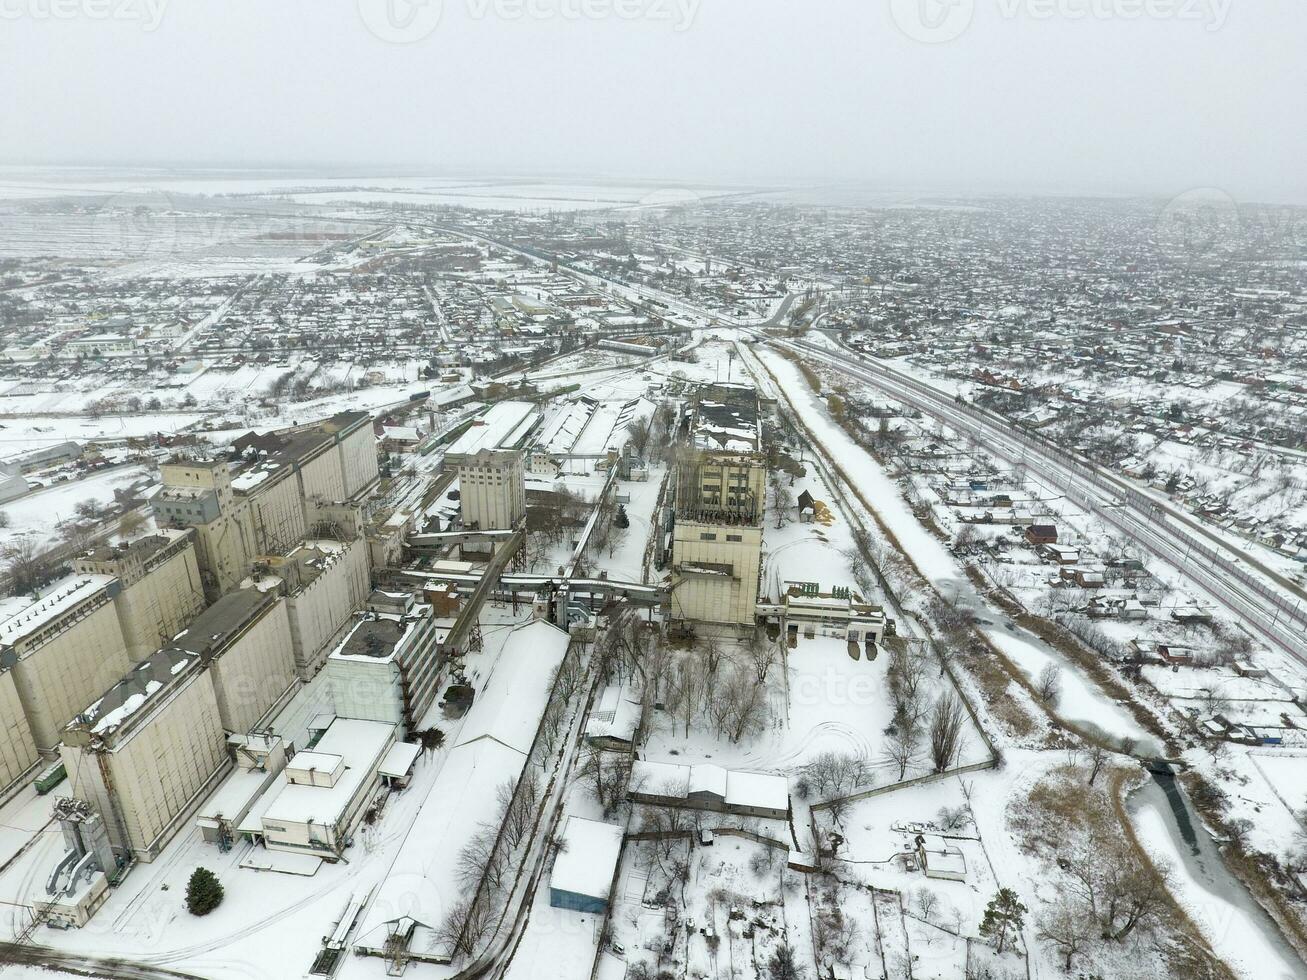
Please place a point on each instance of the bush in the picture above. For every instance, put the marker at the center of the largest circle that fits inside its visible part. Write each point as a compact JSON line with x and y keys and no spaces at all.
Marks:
{"x":203,"y":892}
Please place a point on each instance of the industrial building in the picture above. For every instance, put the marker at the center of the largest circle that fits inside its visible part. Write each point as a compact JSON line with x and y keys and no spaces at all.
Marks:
{"x":62,"y":649}
{"x":18,"y":755}
{"x":244,"y":640}
{"x":259,"y":759}
{"x":160,"y":586}
{"x":265,"y":501}
{"x":387,"y":668}
{"x":720,"y":502}
{"x":491,"y":461}
{"x":320,"y":797}
{"x":324,"y":581}
{"x":147,"y":751}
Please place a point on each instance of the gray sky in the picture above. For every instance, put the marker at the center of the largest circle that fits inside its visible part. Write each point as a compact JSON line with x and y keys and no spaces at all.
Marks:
{"x":1131,"y":95}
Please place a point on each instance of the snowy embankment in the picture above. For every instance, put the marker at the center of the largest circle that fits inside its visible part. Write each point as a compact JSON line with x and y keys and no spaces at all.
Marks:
{"x":1085,"y":701}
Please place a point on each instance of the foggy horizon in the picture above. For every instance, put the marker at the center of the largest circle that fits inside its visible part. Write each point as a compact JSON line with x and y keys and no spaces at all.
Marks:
{"x":1030,"y":96}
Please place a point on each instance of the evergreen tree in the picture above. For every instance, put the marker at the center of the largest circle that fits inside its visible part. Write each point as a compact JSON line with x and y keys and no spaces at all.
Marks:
{"x":203,"y":892}
{"x":1003,"y":918}
{"x":781,"y":966}
{"x":621,"y":520}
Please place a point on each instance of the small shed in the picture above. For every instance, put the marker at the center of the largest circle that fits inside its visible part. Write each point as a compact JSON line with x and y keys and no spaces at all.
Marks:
{"x":582,"y":878}
{"x":1038,"y":534}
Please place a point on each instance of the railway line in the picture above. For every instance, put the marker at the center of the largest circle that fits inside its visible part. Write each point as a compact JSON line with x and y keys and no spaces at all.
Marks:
{"x":1271,"y":607}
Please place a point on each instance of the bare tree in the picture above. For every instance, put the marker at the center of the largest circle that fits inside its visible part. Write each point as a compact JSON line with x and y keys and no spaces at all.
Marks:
{"x":946,"y":729}
{"x":638,"y":432}
{"x":1068,"y":929}
{"x":748,"y":707}
{"x":832,"y":773}
{"x":782,"y":500}
{"x":1049,"y":685}
{"x":1098,"y":757}
{"x":902,"y":749}
{"x":927,"y":901}
{"x":714,"y":651}
{"x":28,"y":568}
{"x":761,"y":653}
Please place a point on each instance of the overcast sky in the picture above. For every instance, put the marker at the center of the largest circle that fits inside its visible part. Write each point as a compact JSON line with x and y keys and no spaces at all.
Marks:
{"x":1131,"y":95}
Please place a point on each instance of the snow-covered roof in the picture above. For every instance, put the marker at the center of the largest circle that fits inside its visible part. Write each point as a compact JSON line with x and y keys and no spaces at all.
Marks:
{"x":737,"y":788}
{"x":757,"y":789}
{"x":502,"y":427}
{"x":25,"y":616}
{"x":505,"y":715}
{"x":509,"y":712}
{"x":399,"y":760}
{"x":588,"y":858}
{"x":359,"y":744}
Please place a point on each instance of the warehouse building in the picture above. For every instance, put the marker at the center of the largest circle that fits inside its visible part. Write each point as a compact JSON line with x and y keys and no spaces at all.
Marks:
{"x":494,"y":746}
{"x":710,"y":787}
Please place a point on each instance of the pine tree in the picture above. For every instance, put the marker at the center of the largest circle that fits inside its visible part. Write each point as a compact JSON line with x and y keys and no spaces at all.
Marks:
{"x":1003,"y":917}
{"x":782,"y":965}
{"x":203,"y":892}
{"x":621,"y":520}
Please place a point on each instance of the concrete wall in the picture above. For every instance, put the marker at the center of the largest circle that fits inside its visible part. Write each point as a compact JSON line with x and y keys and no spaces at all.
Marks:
{"x":17,"y":747}
{"x":157,"y":607}
{"x":320,"y":610}
{"x":369,"y":690}
{"x":278,"y":515}
{"x":358,"y":456}
{"x":224,"y":549}
{"x":323,"y":476}
{"x":252,"y":674}
{"x":58,"y":679}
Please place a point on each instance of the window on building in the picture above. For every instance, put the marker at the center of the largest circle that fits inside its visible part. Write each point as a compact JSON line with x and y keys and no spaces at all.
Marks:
{"x":707,"y":536}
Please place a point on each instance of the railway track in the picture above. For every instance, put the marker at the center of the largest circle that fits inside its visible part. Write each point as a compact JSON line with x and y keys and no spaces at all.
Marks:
{"x":1271,"y":607}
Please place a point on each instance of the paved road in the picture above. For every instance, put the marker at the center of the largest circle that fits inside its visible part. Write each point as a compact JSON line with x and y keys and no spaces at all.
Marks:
{"x":85,"y":966}
{"x":1271,"y":607}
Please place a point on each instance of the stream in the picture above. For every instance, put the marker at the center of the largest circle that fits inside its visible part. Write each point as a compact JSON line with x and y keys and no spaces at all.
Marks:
{"x":1231,"y":921}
